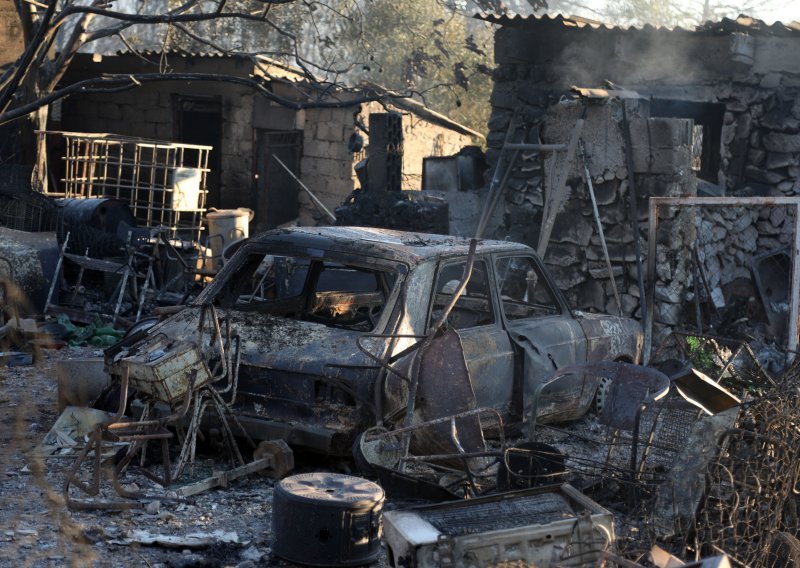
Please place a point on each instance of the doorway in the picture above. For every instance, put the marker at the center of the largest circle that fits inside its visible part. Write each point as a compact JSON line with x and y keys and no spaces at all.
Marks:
{"x":199,"y":121}
{"x":276,"y":201}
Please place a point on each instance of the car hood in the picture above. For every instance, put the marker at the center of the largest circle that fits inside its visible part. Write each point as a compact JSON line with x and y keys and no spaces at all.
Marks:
{"x":268,"y":341}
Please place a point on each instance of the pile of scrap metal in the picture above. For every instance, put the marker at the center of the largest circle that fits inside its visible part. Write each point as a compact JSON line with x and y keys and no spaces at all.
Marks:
{"x":316,"y":335}
{"x":175,"y":381}
{"x":678,"y":464}
{"x":83,"y":257}
{"x":120,"y":235}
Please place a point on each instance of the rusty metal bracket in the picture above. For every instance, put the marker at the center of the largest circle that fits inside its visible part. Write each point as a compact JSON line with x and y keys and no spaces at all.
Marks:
{"x":137,"y":433}
{"x":273,"y":457}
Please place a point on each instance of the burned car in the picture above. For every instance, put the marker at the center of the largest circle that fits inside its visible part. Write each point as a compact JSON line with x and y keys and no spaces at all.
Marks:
{"x":313,"y":317}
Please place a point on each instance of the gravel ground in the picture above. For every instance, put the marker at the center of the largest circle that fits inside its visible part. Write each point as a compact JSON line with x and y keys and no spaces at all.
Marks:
{"x":37,"y":529}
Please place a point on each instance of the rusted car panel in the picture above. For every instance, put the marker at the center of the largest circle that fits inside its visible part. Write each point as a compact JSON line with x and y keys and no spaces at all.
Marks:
{"x":490,"y":360}
{"x":610,"y":338}
{"x":300,"y":300}
{"x":549,"y":344}
{"x":553,"y":343}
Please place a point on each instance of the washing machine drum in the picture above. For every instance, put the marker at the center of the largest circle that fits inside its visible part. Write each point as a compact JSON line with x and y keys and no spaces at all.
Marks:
{"x":327,"y":519}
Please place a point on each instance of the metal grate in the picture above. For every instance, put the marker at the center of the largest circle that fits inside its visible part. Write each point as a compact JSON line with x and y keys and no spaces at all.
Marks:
{"x":664,"y":429}
{"x":498,"y":515}
{"x":163,"y":182}
{"x":27,"y":212}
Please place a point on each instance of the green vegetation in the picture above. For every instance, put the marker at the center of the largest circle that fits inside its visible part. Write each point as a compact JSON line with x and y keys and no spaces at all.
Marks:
{"x":702,"y":358}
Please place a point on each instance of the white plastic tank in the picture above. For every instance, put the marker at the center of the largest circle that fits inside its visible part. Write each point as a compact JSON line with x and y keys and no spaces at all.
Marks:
{"x":226,"y":226}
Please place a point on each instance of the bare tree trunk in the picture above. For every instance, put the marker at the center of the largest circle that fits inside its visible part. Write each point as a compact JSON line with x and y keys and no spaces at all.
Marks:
{"x":40,"y":172}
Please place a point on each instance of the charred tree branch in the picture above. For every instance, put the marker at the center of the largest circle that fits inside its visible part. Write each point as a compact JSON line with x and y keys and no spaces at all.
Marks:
{"x":117,"y":83}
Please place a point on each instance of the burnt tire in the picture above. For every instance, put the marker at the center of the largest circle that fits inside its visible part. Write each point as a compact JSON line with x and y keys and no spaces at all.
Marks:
{"x":784,"y":550}
{"x":362,"y":464}
{"x":601,"y":395}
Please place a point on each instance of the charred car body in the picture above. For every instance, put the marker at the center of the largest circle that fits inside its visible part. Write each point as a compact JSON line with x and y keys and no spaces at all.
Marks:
{"x":317,"y":314}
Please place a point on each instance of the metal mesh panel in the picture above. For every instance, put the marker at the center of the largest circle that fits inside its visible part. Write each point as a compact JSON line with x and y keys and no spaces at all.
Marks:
{"x":163,"y":182}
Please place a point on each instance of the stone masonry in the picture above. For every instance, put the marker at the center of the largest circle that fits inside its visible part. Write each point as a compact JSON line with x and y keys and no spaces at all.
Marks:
{"x":703,"y":74}
{"x":326,"y":163}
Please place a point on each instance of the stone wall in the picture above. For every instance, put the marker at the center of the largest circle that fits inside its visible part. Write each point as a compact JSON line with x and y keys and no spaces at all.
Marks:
{"x":728,"y":241}
{"x":574,"y":253}
{"x":11,"y":41}
{"x":327,"y":164}
{"x":758,"y":151}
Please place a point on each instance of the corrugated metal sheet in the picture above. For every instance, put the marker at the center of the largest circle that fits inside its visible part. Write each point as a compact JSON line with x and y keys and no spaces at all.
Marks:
{"x":178,"y":52}
{"x":726,"y":26}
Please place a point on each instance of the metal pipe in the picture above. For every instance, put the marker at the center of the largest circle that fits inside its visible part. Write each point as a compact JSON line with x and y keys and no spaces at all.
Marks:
{"x":494,"y":189}
{"x":56,"y":275}
{"x":588,"y":177}
{"x":555,"y":195}
{"x":725,"y":201}
{"x":493,"y":197}
{"x":634,"y":208}
{"x":313,"y":197}
{"x":794,"y":297}
{"x":459,"y":290}
{"x":651,"y":279}
{"x":538,"y":147}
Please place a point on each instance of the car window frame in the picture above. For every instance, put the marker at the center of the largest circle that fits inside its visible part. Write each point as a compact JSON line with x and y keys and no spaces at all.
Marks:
{"x":387,"y":318}
{"x":490,"y":281}
{"x":555,"y":291}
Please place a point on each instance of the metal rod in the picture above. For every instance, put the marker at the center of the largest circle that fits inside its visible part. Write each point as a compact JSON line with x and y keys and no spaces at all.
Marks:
{"x":313,"y":197}
{"x":459,"y":290}
{"x":556,"y":196}
{"x":698,"y":316}
{"x":493,"y":185}
{"x":794,"y":298}
{"x":538,"y":147}
{"x":651,"y":279}
{"x":634,"y":208}
{"x":56,"y":275}
{"x":493,"y":197}
{"x":725,"y":201}
{"x":588,"y":178}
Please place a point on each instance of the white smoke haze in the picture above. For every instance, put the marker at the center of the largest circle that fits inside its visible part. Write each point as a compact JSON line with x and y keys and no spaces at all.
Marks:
{"x":676,"y":12}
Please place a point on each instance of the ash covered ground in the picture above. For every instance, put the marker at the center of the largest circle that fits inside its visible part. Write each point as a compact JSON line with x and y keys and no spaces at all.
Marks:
{"x":37,"y":529}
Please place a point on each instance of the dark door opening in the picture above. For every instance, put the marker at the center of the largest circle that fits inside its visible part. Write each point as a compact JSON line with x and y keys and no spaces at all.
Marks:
{"x":277,"y":191}
{"x":199,"y":121}
{"x":707,"y":134}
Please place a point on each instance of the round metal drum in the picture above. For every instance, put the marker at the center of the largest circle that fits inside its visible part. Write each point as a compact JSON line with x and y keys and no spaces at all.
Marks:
{"x":327,"y":519}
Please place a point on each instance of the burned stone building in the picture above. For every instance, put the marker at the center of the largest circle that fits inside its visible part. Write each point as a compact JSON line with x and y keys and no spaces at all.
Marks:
{"x":11,"y":41}
{"x":247,"y":129}
{"x":711,"y":111}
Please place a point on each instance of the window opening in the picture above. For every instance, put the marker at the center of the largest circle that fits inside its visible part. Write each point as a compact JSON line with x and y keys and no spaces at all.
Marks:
{"x":474,"y":307}
{"x":524,"y":292}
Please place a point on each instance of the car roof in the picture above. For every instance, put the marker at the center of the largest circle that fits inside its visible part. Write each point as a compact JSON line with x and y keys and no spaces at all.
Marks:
{"x":396,"y":245}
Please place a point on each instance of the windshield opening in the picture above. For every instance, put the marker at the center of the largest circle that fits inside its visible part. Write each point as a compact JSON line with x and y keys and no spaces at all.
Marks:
{"x":322,"y":291}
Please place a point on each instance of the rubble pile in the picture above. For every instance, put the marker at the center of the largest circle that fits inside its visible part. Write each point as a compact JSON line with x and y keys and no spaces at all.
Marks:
{"x":404,"y":211}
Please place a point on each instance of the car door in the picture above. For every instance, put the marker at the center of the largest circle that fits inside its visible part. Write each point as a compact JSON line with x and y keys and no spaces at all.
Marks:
{"x":487,"y":348}
{"x":544,"y":333}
